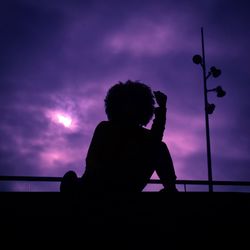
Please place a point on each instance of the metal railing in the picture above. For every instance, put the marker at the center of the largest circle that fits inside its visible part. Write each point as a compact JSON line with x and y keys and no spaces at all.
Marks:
{"x":245,"y":184}
{"x":207,"y":183}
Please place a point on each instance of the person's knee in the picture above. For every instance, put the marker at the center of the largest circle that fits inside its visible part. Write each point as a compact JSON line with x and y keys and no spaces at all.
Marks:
{"x":163,"y":147}
{"x":163,"y":144}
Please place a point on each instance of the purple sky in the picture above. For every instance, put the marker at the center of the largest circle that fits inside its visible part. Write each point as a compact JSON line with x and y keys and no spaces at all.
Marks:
{"x":58,"y":59}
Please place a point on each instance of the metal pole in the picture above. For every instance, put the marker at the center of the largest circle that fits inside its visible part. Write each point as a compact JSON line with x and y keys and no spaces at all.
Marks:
{"x":209,"y":163}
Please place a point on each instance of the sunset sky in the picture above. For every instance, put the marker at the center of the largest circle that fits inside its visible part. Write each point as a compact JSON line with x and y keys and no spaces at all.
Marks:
{"x":58,"y":58}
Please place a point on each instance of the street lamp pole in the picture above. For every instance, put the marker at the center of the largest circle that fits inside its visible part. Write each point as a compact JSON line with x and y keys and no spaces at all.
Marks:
{"x":209,"y":161}
{"x":209,"y":108}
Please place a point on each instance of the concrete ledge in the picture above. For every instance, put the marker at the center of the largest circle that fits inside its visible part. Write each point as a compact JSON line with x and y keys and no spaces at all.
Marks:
{"x":144,"y":219}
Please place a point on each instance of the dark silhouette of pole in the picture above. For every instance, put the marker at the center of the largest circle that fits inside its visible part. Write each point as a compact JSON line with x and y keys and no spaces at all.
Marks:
{"x":209,"y":108}
{"x":209,"y":161}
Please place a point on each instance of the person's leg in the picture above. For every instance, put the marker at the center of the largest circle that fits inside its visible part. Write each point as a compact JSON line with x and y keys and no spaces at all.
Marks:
{"x":69,"y":182}
{"x":165,"y":168}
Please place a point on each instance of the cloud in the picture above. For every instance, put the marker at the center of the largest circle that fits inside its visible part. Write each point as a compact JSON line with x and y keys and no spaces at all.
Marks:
{"x":149,"y":36}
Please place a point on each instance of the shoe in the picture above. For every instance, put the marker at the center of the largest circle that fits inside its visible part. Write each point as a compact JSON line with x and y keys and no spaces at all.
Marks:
{"x":169,"y":190}
{"x":69,"y":182}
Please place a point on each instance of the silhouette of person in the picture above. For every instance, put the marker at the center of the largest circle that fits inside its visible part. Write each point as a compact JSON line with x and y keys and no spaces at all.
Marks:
{"x":123,"y":153}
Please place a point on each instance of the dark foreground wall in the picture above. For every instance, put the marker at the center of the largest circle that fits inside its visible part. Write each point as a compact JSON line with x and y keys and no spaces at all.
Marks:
{"x":122,"y":221}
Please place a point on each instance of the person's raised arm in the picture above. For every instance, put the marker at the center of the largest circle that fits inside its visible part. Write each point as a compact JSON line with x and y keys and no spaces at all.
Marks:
{"x":158,"y":125}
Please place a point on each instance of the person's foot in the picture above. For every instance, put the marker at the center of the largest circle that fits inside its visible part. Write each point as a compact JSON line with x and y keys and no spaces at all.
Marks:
{"x":169,"y":190}
{"x":69,"y":182}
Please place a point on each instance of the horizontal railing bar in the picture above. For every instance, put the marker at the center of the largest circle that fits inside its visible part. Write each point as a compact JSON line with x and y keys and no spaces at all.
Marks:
{"x":151,"y":181}
{"x":30,"y":178}
{"x":204,"y":182}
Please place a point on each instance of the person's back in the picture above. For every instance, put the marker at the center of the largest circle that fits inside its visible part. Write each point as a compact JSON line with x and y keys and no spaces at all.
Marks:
{"x":120,"y":158}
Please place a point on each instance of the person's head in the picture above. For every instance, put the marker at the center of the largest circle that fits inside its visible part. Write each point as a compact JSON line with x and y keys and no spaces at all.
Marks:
{"x":131,"y":102}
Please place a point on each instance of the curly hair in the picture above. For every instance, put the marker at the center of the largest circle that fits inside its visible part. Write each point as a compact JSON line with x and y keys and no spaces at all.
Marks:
{"x":130,"y":102}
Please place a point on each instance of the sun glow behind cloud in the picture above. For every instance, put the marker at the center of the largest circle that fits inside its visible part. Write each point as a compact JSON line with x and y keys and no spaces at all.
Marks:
{"x":66,"y":121}
{"x":62,"y":119}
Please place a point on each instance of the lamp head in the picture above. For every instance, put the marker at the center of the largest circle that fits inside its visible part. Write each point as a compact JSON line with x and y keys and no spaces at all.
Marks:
{"x":220,"y":91}
{"x":210,"y":108}
{"x":215,"y":72}
{"x":197,"y":59}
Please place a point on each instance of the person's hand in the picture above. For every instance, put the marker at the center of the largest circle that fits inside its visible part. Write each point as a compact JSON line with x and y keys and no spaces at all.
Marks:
{"x":160,"y":98}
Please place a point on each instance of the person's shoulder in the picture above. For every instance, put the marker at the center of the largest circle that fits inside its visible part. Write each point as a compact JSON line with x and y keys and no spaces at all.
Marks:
{"x":101,"y":128}
{"x":103,"y":125}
